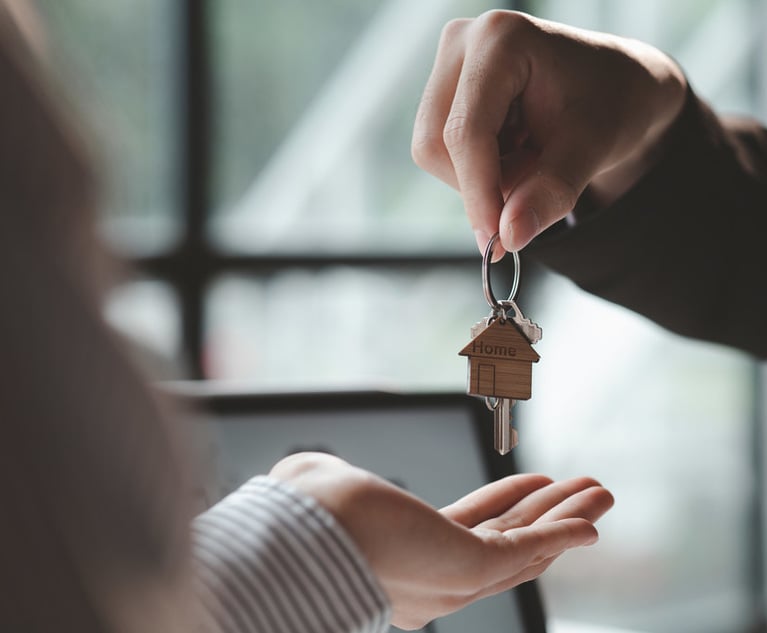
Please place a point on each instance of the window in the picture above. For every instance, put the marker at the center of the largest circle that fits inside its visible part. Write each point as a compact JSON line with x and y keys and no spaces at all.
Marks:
{"x":669,"y":425}
{"x":279,"y":175}
{"x":258,"y":173}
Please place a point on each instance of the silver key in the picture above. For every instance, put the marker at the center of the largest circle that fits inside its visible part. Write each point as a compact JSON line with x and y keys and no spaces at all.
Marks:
{"x":479,"y":326}
{"x":504,"y":435}
{"x":531,"y":330}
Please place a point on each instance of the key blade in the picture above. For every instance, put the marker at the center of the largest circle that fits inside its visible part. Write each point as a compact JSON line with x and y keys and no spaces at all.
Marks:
{"x":502,"y":431}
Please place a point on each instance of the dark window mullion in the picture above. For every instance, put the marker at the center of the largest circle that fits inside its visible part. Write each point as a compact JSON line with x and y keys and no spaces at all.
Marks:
{"x":190,"y":270}
{"x":193,"y":264}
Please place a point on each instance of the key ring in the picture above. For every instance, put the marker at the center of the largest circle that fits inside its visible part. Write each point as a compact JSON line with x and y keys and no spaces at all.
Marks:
{"x":498,"y":306}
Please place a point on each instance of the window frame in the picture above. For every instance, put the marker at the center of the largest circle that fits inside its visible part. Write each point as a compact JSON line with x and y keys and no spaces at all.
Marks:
{"x":193,"y":262}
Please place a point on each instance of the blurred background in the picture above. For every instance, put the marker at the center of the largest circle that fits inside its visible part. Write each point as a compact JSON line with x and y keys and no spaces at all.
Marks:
{"x":257,"y":172}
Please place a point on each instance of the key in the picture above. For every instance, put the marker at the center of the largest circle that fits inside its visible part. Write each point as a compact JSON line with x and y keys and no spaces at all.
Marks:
{"x":479,"y":326}
{"x":500,"y":356}
{"x":500,"y":360}
{"x":504,"y":434}
{"x":531,"y":330}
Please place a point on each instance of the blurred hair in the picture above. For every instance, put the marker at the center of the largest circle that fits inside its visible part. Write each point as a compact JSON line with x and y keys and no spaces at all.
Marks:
{"x":45,"y":161}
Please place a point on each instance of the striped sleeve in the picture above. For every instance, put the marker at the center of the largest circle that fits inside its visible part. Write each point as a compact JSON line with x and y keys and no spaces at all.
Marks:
{"x":271,"y":559}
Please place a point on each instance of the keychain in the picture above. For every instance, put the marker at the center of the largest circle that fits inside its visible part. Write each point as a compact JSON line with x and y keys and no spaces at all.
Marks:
{"x":501,"y":355}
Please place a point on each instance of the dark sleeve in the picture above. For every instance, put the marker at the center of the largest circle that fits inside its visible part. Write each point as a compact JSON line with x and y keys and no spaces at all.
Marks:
{"x":685,"y":246}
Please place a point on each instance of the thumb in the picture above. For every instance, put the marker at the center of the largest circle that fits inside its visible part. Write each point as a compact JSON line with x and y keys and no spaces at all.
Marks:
{"x":543,"y":196}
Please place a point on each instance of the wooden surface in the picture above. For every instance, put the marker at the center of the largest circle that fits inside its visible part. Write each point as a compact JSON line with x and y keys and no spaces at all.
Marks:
{"x":501,"y":340}
{"x":501,"y":379}
{"x":500,"y":362}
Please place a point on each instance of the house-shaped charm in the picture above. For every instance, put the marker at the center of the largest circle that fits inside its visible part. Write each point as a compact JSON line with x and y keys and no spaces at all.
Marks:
{"x":500,"y":362}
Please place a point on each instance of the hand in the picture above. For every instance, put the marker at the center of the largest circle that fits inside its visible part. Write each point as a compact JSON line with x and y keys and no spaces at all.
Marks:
{"x":431,"y":562}
{"x":521,"y":114}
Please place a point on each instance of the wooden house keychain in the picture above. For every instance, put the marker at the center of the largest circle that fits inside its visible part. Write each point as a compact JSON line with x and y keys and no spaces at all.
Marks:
{"x":501,"y":355}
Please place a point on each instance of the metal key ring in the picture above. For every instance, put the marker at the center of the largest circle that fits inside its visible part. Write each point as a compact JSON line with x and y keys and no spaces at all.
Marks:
{"x":497,"y":306}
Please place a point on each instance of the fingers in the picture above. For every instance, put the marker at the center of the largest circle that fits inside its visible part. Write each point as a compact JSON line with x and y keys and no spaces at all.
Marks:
{"x":521,"y":500}
{"x":528,"y":573}
{"x":465,"y":106}
{"x":431,"y":563}
{"x":520,"y":114}
{"x":545,"y":499}
{"x":490,"y":81}
{"x":590,"y":504}
{"x":534,"y":205}
{"x":428,"y":148}
{"x":539,"y":542}
{"x":502,"y":561}
{"x":520,"y":554}
{"x":544,"y":194}
{"x":493,"y":499}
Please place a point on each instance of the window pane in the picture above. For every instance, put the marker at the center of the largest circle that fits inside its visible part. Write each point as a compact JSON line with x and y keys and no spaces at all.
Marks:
{"x":115,"y":62}
{"x":146,"y":312}
{"x":665,"y":423}
{"x":316,"y":103}
{"x":343,"y":327}
{"x":715,"y":41}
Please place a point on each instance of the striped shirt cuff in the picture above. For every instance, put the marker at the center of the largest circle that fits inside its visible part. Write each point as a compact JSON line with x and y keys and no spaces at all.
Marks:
{"x":272,"y":559}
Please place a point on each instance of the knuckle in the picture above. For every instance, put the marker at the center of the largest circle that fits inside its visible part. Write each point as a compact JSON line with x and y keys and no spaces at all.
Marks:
{"x":564,"y":194}
{"x":557,"y":195}
{"x":456,"y":131}
{"x":454,"y":29}
{"x":298,"y":464}
{"x":426,"y":149}
{"x":502,"y":22}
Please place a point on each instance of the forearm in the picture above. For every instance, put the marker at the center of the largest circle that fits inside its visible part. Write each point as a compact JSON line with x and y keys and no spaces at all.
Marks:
{"x":685,"y":246}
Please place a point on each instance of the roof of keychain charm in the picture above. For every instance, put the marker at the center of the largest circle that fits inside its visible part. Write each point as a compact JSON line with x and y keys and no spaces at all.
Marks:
{"x":500,"y":352}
